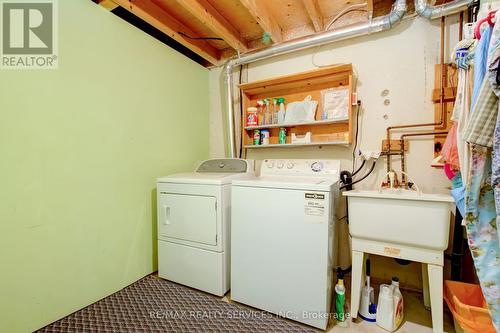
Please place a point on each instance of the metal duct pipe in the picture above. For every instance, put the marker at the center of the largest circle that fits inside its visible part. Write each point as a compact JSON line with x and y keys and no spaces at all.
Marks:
{"x":376,"y":25}
{"x":423,"y":8}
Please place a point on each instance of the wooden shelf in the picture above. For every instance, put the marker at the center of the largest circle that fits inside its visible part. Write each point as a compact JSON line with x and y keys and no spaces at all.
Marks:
{"x":294,"y":145}
{"x":297,"y":87}
{"x":309,"y":123}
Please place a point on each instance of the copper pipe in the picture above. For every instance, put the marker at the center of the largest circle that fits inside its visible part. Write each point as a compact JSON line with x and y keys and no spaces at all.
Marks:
{"x":441,"y":125}
{"x":403,"y":136}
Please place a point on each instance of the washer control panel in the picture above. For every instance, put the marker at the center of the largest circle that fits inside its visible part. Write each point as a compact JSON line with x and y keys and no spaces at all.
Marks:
{"x":287,"y":167}
{"x":232,"y":165}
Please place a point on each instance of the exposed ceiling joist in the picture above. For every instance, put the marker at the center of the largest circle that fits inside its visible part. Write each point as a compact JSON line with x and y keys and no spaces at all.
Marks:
{"x":209,"y":16}
{"x":264,"y":18}
{"x":163,"y":21}
{"x":369,"y":8}
{"x":314,"y":14}
{"x":108,"y":4}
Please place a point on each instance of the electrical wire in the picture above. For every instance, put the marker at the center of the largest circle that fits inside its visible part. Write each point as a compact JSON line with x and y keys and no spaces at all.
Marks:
{"x":346,"y":10}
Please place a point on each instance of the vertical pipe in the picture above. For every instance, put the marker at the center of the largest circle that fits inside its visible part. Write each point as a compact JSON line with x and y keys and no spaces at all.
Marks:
{"x":230,"y":108}
{"x":389,"y":156}
{"x":403,"y":166}
{"x":443,"y":78}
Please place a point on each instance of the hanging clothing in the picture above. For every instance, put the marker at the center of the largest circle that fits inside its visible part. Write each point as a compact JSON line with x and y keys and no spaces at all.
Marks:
{"x":458,"y":193}
{"x":462,"y":107}
{"x":480,"y":218}
{"x":495,"y":176}
{"x":483,"y":119}
{"x":480,"y":62}
{"x":494,"y":57}
{"x":492,"y":74}
{"x":450,"y":151}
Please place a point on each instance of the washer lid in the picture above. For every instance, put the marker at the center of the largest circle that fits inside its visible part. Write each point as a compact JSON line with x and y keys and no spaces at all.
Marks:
{"x":205,"y":178}
{"x":293,"y":183}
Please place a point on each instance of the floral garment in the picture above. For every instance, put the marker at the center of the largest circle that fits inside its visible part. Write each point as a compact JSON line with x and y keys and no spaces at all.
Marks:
{"x":481,"y":228}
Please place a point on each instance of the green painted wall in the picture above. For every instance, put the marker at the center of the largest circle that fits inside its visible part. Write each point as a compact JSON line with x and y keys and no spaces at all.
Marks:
{"x":80,"y":149}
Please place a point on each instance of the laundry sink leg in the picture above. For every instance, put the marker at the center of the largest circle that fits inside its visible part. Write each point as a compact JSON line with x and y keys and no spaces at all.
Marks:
{"x":435,"y":273}
{"x":425,"y":287}
{"x":356,"y":280}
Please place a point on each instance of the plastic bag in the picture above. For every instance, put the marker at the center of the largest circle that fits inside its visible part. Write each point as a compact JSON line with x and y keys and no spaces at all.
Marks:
{"x":335,"y":103}
{"x":299,"y":112}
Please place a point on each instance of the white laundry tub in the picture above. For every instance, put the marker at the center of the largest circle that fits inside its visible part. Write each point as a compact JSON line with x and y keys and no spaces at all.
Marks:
{"x":400,"y":216}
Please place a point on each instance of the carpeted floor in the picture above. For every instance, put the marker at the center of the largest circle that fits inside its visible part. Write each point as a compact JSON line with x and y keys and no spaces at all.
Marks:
{"x":155,"y":305}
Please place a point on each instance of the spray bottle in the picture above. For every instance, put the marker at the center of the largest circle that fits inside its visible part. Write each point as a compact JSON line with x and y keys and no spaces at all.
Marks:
{"x":267,"y":114}
{"x":281,"y":112}
{"x":340,"y":299}
{"x":260,"y":113}
{"x":275,"y":111}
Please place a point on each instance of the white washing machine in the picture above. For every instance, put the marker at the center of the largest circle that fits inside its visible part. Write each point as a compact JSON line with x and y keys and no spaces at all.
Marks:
{"x":194,"y":224}
{"x":282,"y":239}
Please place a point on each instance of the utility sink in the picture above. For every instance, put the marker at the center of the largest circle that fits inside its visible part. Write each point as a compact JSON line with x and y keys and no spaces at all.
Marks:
{"x":403,"y":217}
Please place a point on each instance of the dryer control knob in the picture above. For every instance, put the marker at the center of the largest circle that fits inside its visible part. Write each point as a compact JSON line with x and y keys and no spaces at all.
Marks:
{"x":290,"y":165}
{"x":270,"y":164}
{"x":280,"y":164}
{"x":317,"y":166}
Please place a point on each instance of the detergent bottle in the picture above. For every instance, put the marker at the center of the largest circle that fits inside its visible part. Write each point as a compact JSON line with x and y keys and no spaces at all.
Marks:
{"x":340,"y":299}
{"x":398,"y":303}
{"x":390,"y":306}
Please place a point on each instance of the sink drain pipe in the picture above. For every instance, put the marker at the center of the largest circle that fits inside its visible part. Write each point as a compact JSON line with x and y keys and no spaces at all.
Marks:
{"x":377,"y":24}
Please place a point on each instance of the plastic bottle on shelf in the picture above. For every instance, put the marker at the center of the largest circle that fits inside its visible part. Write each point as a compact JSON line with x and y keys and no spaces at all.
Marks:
{"x":275,"y":111}
{"x":282,"y":136}
{"x":252,"y":117}
{"x":267,"y":113}
{"x":260,"y":112}
{"x":281,"y":112}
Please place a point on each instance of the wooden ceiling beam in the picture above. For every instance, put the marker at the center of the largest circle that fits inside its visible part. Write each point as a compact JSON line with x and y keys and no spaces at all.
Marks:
{"x":163,"y":21}
{"x":264,"y":18}
{"x":314,"y":14}
{"x":108,"y":4}
{"x":214,"y":21}
{"x":369,"y":9}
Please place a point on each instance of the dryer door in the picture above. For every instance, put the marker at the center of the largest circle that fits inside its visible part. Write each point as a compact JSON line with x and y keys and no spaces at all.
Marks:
{"x":188,"y":217}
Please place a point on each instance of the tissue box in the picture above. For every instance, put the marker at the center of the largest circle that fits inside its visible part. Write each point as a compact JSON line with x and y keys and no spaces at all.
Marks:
{"x":301,"y":138}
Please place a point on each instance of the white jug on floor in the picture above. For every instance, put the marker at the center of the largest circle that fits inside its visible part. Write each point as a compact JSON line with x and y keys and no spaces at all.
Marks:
{"x":390,"y":306}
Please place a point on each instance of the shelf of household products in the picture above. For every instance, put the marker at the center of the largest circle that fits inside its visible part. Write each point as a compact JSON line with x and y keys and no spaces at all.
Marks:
{"x":315,"y":122}
{"x":293,"y":145}
{"x":313,"y":108}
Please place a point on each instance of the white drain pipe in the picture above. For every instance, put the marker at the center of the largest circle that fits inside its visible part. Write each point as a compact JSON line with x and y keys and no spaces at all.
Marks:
{"x":423,"y":8}
{"x":378,"y":24}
